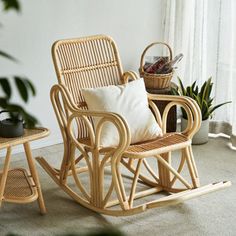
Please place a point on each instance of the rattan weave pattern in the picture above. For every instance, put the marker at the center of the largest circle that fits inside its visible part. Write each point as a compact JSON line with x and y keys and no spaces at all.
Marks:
{"x":165,"y":141}
{"x":29,"y":134}
{"x":168,"y":139}
{"x":82,"y":63}
{"x":18,"y":185}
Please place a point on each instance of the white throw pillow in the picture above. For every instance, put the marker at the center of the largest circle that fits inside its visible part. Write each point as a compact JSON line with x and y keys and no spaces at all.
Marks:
{"x":128,"y":100}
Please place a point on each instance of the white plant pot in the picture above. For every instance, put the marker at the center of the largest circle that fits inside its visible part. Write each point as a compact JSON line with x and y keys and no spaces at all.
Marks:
{"x":201,"y":136}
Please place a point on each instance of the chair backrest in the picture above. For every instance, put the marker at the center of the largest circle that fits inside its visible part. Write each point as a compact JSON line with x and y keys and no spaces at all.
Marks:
{"x":86,"y":62}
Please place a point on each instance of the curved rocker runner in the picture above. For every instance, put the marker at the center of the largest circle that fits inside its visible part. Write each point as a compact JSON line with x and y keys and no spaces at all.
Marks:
{"x":111,"y":180}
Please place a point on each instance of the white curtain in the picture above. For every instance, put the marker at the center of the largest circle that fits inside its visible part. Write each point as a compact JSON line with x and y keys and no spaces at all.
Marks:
{"x":205,"y":32}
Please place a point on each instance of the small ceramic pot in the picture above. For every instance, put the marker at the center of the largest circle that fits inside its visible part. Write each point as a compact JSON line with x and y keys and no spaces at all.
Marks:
{"x":201,"y":136}
{"x":10,"y":128}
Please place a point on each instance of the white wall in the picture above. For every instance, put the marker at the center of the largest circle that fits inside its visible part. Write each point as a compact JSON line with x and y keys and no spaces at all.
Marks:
{"x":29,"y":36}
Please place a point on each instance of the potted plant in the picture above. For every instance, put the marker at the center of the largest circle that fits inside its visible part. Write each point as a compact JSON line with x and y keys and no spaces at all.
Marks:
{"x":22,"y":84}
{"x":203,"y":98}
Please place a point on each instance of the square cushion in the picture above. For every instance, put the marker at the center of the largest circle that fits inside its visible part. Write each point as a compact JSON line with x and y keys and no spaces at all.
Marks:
{"x":128,"y":100}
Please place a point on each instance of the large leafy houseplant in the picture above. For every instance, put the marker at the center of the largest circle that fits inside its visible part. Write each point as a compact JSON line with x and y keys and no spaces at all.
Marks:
{"x":23,"y":85}
{"x":201,"y":95}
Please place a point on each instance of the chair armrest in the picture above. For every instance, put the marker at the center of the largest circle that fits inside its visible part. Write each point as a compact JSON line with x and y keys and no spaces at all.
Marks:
{"x":189,"y":105}
{"x":73,"y":112}
{"x":94,"y":135}
{"x":129,"y":75}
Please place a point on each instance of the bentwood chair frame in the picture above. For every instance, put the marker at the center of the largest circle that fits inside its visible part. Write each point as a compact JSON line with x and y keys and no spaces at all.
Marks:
{"x":94,"y":62}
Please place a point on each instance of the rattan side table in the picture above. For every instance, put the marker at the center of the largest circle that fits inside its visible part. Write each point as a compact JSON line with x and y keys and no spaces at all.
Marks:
{"x":18,"y":185}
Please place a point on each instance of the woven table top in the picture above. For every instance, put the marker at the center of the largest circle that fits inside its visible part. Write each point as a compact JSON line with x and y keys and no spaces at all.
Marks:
{"x":29,"y":135}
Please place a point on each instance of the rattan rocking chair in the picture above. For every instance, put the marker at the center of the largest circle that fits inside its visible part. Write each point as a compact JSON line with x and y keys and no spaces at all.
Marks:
{"x":95,"y":179}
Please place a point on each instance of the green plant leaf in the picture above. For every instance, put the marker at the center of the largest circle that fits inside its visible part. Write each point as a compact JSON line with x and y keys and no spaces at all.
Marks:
{"x":210,"y":102}
{"x":4,"y":83}
{"x":202,"y":96}
{"x":192,"y":88}
{"x":209,"y":91}
{"x":174,"y":91}
{"x":30,"y":86}
{"x":11,"y":5}
{"x":205,"y":110}
{"x":205,"y":94}
{"x":3,"y":102}
{"x":198,"y":100}
{"x":217,"y":106}
{"x":182,"y":89}
{"x":7,"y":56}
{"x":202,"y":89}
{"x":22,"y":88}
{"x":188,"y":91}
{"x":196,"y":91}
{"x":29,"y":120}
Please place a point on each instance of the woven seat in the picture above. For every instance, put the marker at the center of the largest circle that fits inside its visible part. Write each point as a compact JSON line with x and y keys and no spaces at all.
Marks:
{"x":150,"y":147}
{"x":169,"y":140}
{"x":92,"y":62}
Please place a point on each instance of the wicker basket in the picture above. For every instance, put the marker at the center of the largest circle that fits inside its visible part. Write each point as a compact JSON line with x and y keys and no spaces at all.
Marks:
{"x":155,"y":81}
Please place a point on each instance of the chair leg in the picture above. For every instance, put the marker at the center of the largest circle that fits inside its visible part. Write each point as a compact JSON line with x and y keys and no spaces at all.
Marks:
{"x":191,"y":166}
{"x":96,"y":190}
{"x":164,"y":173}
{"x":134,"y":183}
{"x":126,"y":202}
{"x":3,"y":178}
{"x":194,"y":164}
{"x":119,"y":185}
{"x":170,"y":169}
{"x":34,"y":174}
{"x":69,"y":152}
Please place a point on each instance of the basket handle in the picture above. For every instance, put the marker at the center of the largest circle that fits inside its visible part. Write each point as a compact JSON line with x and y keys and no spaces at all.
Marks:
{"x":149,"y":46}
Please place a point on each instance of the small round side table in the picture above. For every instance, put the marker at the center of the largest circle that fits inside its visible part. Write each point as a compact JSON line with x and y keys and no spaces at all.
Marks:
{"x":19,"y":185}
